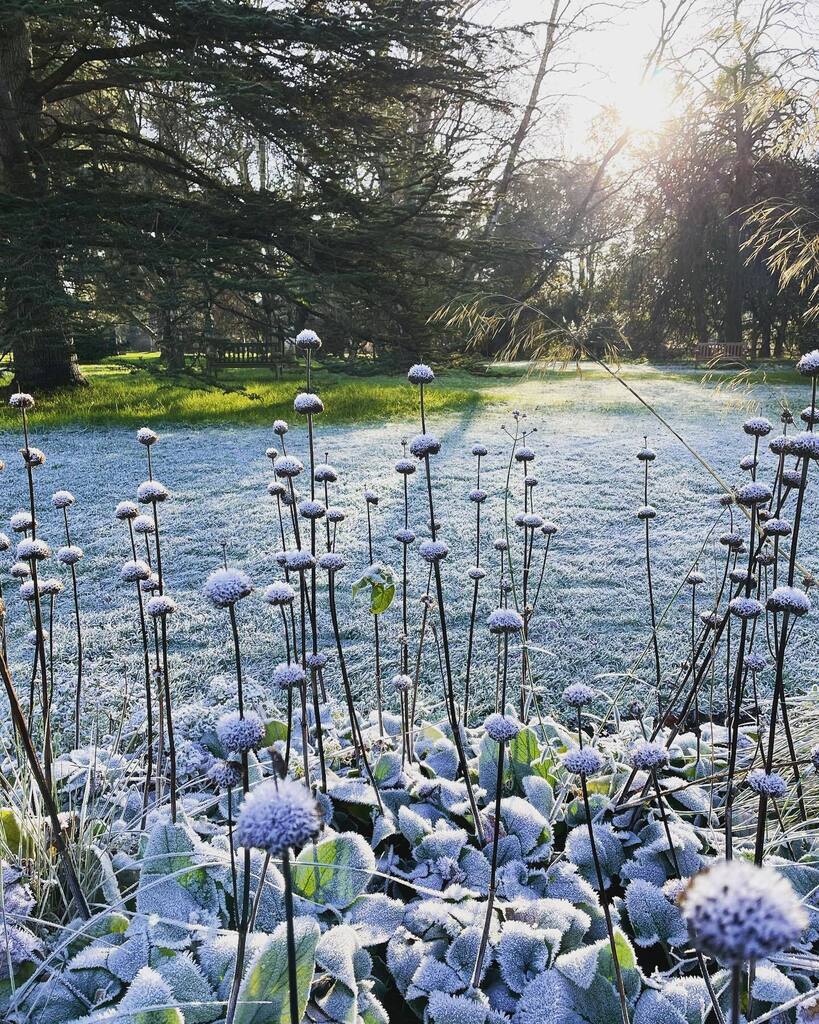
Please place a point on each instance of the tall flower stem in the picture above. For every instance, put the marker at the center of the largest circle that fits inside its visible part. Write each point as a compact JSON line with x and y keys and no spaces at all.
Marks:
{"x":292,"y":988}
{"x":376,"y":635}
{"x":78,"y":627}
{"x":493,"y":871}
{"x":604,"y":901}
{"x":652,"y":608}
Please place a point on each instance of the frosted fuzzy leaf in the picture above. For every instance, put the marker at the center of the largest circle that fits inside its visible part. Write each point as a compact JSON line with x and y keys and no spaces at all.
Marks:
{"x":387,"y":769}
{"x":456,"y":1009}
{"x":462,"y":955}
{"x":127,"y":960}
{"x":335,"y":871}
{"x":540,"y":794}
{"x":143,"y":1002}
{"x":555,"y":915}
{"x":476,"y":869}
{"x":441,"y":842}
{"x":524,"y":952}
{"x":271,"y":901}
{"x":654,"y":918}
{"x":375,"y":918}
{"x":520,"y":818}
{"x":189,"y":986}
{"x":565,"y":883}
{"x":772,"y":985}
{"x":609,"y":850}
{"x":216,"y":956}
{"x":433,"y":975}
{"x":412,"y":824}
{"x":340,"y":957}
{"x":547,"y":999}
{"x":351,"y":791}
{"x":404,"y":955}
{"x":582,"y":966}
{"x":441,"y":757}
{"x":173,"y":882}
{"x":263,"y":996}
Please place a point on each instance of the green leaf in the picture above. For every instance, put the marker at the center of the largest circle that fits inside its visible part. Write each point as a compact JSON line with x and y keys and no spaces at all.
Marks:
{"x":381,"y":581}
{"x":274,"y":730}
{"x":524,"y":753}
{"x":335,"y":872}
{"x":264,"y":994}
{"x":625,"y":956}
{"x":15,"y":836}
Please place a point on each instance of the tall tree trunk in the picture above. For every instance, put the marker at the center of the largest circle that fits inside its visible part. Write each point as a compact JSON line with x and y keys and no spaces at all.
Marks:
{"x":36,"y":327}
{"x":739,"y":198}
{"x":781,"y":335}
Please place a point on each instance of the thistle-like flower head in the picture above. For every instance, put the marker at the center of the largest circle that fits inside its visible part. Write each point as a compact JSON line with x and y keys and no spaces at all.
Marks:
{"x":694,"y":578}
{"x":578,"y":694}
{"x":646,"y":455}
{"x":147,"y":436}
{"x":311,"y":509}
{"x":808,"y":365}
{"x":406,"y":467}
{"x":776,"y":528}
{"x":144,"y":524}
{"x":62,"y":499}
{"x":308,"y":341}
{"x":524,"y":454}
{"x":757,"y":426}
{"x":240,"y":734}
{"x":280,"y":427}
{"x":20,"y":570}
{"x":401,"y":682}
{"x":583,"y":761}
{"x":433,"y":550}
{"x":501,"y":728}
{"x":745,"y":607}
{"x":278,"y":816}
{"x":754,"y":493}
{"x":21,"y":400}
{"x":480,"y":450}
{"x":29,"y":550}
{"x":126,"y":510}
{"x":288,"y":466}
{"x":476,"y":573}
{"x":404,"y":536}
{"x":5,"y":542}
{"x":478,"y":495}
{"x":331,"y":562}
{"x":325,"y":473}
{"x":789,"y":599}
{"x":161,"y":606}
{"x":736,"y":912}
{"x":336,"y":514}
{"x":646,"y":512}
{"x":647,"y":756}
{"x":279,"y":593}
{"x":225,"y":774}
{"x":308,"y":404}
{"x":423,"y":445}
{"x":134,"y":571}
{"x":287,"y":674}
{"x":804,"y":445}
{"x":299,"y":561}
{"x":420,"y":373}
{"x":504,"y":620}
{"x":549,"y":529}
{"x":150,"y":492}
{"x":51,"y":586}
{"x":33,"y":456}
{"x":224,"y":587}
{"x":770,"y":784}
{"x":20,"y":522}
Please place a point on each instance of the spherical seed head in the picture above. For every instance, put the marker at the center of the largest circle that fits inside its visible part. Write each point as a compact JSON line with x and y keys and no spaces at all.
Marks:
{"x":126,"y":510}
{"x":420,"y":373}
{"x":20,"y":522}
{"x":5,"y":542}
{"x":646,"y":455}
{"x":151,"y":491}
{"x":754,"y":493}
{"x":736,"y":912}
{"x":317,"y":660}
{"x":694,"y":578}
{"x":709,"y":618}
{"x":745,"y":607}
{"x":280,"y":427}
{"x":225,"y":774}
{"x":808,"y":365}
{"x":583,"y":761}
{"x":578,"y":694}
{"x":501,"y":728}
{"x":336,"y":514}
{"x":646,"y":512}
{"x":224,"y":587}
{"x":524,"y":454}
{"x":272,"y":453}
{"x":549,"y":529}
{"x":779,"y":444}
{"x":331,"y":562}
{"x":150,"y":585}
{"x":147,"y":436}
{"x":401,"y":683}
{"x":755,"y":662}
{"x":804,"y":445}
{"x":144,"y":524}
{"x":480,"y":450}
{"x":277,"y":817}
{"x":299,"y":561}
{"x":308,"y":404}
{"x":532,"y":520}
{"x":21,"y":400}
{"x":240,"y":734}
{"x":308,"y":341}
{"x":792,"y":478}
{"x":20,"y":570}
{"x":287,"y":674}
{"x":478,"y":495}
{"x":766,"y":556}
{"x":731,"y":540}
{"x":646,"y":756}
{"x":757,"y":426}
{"x":27,"y":590}
{"x":777,"y":528}
{"x":51,"y":586}
{"x":62,"y":499}
{"x":288,"y":466}
{"x":476,"y":573}
{"x":325,"y":473}
{"x":530,"y":481}
{"x":423,"y":445}
{"x":770,"y":784}
{"x":810,"y":414}
{"x":518,"y":519}
{"x":29,"y":550}
{"x":747,"y":462}
{"x":504,"y":620}
{"x":279,"y":593}
{"x":433,"y":550}
{"x":406,"y":467}
{"x":134,"y":571}
{"x":311,"y":509}
{"x":404,"y":536}
{"x":789,"y":599}
{"x":161,"y":606}
{"x":501,"y":544}
{"x":33,"y":456}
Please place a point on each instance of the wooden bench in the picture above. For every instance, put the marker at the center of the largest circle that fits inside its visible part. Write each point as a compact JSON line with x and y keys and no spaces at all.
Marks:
{"x":720,"y":352}
{"x":223,"y":354}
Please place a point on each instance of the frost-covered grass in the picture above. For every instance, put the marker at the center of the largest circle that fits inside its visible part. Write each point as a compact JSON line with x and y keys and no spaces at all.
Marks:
{"x":593,"y":615}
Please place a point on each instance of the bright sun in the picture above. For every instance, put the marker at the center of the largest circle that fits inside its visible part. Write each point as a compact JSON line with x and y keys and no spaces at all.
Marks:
{"x":643,"y":107}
